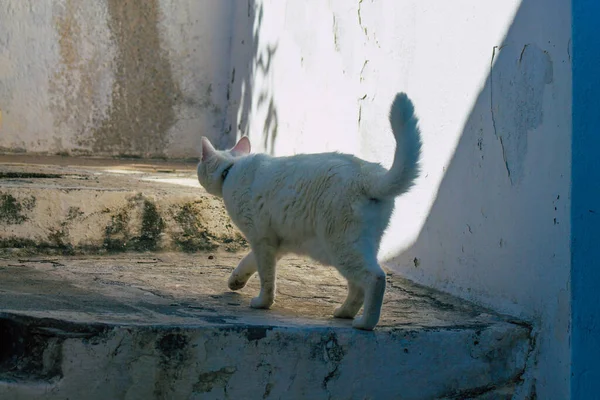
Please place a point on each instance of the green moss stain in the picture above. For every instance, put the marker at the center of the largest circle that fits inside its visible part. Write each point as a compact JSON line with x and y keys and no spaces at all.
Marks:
{"x":74,"y":213}
{"x":14,"y":211}
{"x":138,"y":225}
{"x":118,"y":236}
{"x":152,"y":227}
{"x":17,"y":243}
{"x":32,"y":247}
{"x":28,"y":175}
{"x":58,"y":239}
{"x":209,"y":380}
{"x":194,"y":236}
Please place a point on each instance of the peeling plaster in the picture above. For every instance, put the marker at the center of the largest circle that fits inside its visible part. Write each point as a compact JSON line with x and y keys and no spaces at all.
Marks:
{"x":336,"y":38}
{"x":364,"y":28}
{"x":517,"y":84}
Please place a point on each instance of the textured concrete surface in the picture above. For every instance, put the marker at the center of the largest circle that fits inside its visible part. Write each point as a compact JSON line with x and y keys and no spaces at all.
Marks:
{"x":113,"y":77}
{"x":94,"y":205}
{"x":166,"y":326}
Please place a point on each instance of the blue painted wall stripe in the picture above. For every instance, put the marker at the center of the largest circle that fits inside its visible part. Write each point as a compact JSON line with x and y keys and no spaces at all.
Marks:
{"x":585,"y":201}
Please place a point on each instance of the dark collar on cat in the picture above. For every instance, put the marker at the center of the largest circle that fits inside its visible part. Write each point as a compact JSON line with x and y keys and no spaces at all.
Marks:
{"x":225,"y":172}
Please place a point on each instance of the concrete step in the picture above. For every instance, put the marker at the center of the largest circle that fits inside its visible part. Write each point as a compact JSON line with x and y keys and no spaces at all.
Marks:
{"x":113,"y":285}
{"x":165,"y":326}
{"x":88,"y":206}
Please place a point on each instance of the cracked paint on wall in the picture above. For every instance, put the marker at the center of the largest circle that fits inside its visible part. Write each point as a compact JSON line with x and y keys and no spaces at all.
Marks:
{"x":517,"y":84}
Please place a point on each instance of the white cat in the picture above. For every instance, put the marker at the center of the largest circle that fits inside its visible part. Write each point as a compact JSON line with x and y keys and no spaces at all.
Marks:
{"x":332,"y":207}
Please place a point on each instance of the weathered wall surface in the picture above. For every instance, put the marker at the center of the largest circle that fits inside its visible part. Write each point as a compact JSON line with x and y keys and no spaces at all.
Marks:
{"x":489,"y":217}
{"x":113,"y":77}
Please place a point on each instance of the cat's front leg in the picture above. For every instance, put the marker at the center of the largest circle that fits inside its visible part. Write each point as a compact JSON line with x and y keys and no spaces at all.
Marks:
{"x":353,"y":303}
{"x":265,"y":261}
{"x":245,"y":269}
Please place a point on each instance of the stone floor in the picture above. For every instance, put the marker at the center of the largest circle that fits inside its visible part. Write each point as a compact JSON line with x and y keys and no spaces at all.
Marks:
{"x":159,"y":325}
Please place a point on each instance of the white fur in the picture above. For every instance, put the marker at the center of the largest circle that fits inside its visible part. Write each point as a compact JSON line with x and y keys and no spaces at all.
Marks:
{"x":332,"y":207}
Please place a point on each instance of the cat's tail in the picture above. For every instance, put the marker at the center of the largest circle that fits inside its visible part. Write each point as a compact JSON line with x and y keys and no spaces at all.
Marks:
{"x":405,"y":169}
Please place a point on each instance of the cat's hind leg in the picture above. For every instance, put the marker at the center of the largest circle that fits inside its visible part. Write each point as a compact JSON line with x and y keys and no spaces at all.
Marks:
{"x":358,"y":264}
{"x":353,"y":303}
{"x":245,"y":269}
{"x":266,"y":259}
{"x":374,"y":287}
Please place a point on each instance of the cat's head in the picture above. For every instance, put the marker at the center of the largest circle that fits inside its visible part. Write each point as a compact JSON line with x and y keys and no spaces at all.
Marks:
{"x":215,"y":165}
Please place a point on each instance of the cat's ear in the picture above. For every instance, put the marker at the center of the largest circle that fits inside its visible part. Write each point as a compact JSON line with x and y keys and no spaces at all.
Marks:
{"x":242,"y":147}
{"x":208,"y":150}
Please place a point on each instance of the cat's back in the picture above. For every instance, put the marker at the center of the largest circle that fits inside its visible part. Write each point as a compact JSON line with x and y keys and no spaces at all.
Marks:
{"x":319,"y":171}
{"x":298,"y":176}
{"x":306,"y":185}
{"x":303,"y":199}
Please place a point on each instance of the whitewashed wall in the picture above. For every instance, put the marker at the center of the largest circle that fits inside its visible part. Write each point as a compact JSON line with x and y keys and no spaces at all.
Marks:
{"x":491,"y":81}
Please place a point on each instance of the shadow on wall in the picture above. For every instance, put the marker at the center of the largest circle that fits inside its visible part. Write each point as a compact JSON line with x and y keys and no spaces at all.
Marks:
{"x":498,"y":230}
{"x":492,"y":196}
{"x":250,"y":77}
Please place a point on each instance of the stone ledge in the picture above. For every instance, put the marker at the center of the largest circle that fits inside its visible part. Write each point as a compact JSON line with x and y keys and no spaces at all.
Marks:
{"x":108,"y":206}
{"x":166,"y":326}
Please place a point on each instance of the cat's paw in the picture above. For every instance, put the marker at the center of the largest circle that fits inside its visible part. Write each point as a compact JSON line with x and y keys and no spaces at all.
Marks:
{"x":362,"y":323}
{"x":259,"y":302}
{"x":235,"y":283}
{"x":341,"y":312}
